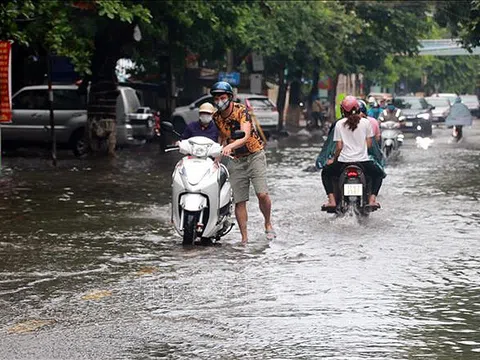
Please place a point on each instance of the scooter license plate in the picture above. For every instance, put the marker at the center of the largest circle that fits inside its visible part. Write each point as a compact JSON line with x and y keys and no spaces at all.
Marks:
{"x":353,"y":190}
{"x":408,"y":124}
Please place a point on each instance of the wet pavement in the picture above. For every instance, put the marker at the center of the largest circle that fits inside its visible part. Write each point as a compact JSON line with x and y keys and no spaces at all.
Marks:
{"x":91,"y":268}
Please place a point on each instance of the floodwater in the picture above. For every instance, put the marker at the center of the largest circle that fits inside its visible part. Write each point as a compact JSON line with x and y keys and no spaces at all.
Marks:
{"x":90,"y":267}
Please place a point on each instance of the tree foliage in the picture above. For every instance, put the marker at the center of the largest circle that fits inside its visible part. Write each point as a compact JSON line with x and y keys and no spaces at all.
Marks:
{"x":305,"y":37}
{"x":64,"y":28}
{"x":385,"y":28}
{"x":439,"y":73}
{"x":462,"y":18}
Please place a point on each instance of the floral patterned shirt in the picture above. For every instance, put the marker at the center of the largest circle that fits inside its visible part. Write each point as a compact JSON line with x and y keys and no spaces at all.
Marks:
{"x":226,"y":126}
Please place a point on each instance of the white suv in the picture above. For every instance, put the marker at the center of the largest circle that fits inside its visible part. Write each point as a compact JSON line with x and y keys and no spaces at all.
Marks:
{"x":261,"y":106}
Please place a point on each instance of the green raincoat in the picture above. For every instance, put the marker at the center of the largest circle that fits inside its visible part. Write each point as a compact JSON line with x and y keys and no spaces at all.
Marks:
{"x":328,"y":151}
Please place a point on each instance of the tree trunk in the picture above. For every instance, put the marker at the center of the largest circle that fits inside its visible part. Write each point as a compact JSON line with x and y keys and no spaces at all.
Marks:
{"x":230,"y":60}
{"x":358,"y":85}
{"x":281,"y":97}
{"x":294,"y":109}
{"x":313,"y":90}
{"x":367,"y":85}
{"x":332,"y":97}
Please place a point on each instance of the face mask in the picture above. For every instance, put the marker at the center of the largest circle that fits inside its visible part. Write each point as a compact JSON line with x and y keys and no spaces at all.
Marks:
{"x":222,"y":105}
{"x":205,"y":119}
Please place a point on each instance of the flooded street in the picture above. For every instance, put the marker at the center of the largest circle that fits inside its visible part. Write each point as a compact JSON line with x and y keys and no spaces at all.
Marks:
{"x":91,"y":268}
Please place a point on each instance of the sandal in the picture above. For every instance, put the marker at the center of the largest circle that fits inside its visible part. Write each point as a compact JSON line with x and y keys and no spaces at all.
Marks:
{"x":327,"y":206}
{"x":270,"y":234}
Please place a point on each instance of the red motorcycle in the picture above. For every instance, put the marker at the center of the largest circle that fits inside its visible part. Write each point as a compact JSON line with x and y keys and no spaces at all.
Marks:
{"x":156,"y":116}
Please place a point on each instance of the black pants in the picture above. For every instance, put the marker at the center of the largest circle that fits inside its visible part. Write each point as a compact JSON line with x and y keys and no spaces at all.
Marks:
{"x":373,"y":174}
{"x":316,"y":118}
{"x":459,"y":130}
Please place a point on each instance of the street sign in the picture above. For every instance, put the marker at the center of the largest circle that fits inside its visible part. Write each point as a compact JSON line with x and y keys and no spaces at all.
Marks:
{"x":232,"y":78}
{"x":325,"y":83}
{"x":5,"y":82}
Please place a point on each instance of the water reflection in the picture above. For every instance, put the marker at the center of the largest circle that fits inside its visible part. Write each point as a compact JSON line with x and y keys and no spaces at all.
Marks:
{"x":89,"y":249}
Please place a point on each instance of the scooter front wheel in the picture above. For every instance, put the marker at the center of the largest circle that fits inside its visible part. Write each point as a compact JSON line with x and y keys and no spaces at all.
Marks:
{"x":190,"y":228}
{"x":388,"y":150}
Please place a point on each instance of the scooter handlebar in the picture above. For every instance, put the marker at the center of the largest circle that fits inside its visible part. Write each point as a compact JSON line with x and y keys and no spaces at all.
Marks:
{"x":169,"y":148}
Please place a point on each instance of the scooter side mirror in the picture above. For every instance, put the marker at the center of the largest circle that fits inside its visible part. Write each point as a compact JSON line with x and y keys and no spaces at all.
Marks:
{"x":166,"y":126}
{"x":238,"y":134}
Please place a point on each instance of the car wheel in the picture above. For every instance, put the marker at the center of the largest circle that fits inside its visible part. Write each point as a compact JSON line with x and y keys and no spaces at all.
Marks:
{"x":78,"y":143}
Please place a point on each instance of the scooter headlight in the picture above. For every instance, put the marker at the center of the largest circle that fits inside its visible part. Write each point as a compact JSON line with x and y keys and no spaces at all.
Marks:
{"x":200,"y":150}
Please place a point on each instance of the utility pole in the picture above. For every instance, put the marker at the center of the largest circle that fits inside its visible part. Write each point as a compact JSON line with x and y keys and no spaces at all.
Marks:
{"x":50,"y":103}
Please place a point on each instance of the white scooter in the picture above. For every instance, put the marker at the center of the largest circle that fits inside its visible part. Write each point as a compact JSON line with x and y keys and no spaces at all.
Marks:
{"x":202,"y":199}
{"x":392,"y":136}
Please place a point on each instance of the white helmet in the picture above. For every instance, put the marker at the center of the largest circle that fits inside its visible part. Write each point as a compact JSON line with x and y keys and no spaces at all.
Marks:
{"x":371,"y":99}
{"x":205,"y":111}
{"x":206,"y":108}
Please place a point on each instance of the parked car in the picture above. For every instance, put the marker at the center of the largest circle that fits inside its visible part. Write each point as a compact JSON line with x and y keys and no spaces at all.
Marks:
{"x":184,"y":115}
{"x":471,"y":101}
{"x":442,"y":107}
{"x":264,"y":110}
{"x":417,"y":113}
{"x":135,"y":124}
{"x":450,"y":96}
{"x":261,"y":106}
{"x":31,"y":118}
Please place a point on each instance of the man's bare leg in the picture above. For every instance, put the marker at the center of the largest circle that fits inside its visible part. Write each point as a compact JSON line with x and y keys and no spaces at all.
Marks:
{"x":331,"y":201}
{"x":265,"y":205}
{"x":373,"y":200}
{"x":242,"y":218}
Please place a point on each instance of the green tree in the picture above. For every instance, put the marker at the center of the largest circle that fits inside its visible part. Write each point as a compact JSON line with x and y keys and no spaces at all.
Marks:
{"x":296,"y":39}
{"x":71,"y":28}
{"x":387,"y":27}
{"x":93,"y":34}
{"x":462,"y":18}
{"x":429,"y":73}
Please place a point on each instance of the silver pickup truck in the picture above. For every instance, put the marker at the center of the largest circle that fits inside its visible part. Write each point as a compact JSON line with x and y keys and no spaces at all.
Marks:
{"x":31,"y":118}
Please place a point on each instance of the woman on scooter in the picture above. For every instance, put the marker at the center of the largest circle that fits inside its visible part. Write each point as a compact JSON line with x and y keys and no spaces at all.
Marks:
{"x":353,"y":136}
{"x":204,"y":126}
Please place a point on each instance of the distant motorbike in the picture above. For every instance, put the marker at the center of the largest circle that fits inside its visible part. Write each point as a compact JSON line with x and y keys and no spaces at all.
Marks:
{"x":392,"y":136}
{"x":202,"y":199}
{"x":351,"y":193}
{"x":156,"y":117}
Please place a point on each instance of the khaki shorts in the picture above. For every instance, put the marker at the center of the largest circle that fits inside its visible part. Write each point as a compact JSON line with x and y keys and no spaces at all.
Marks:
{"x":251,"y":168}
